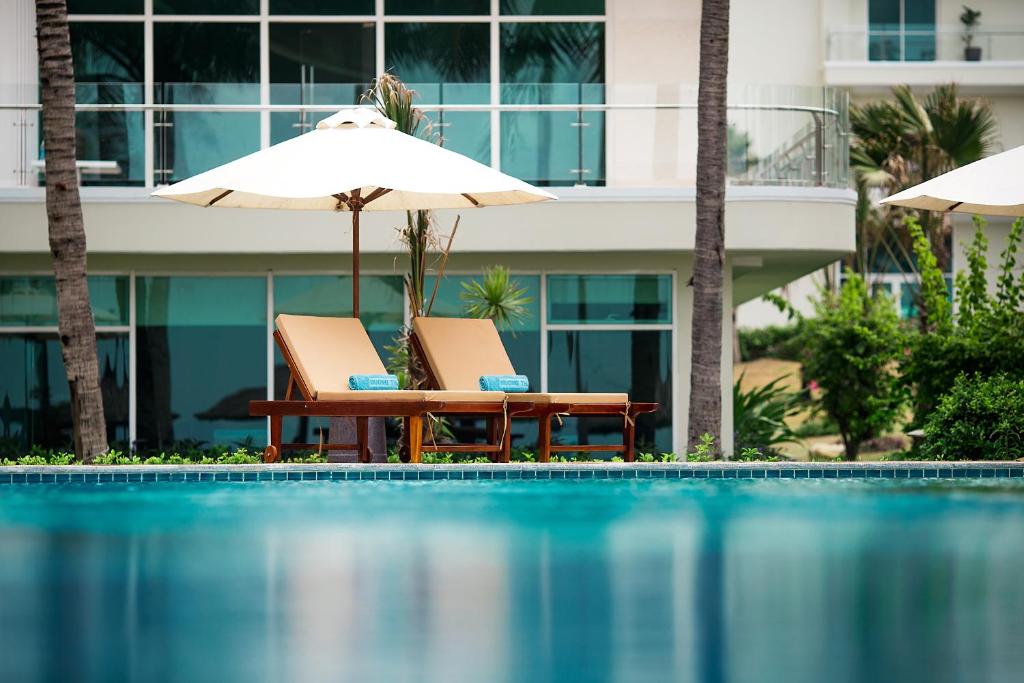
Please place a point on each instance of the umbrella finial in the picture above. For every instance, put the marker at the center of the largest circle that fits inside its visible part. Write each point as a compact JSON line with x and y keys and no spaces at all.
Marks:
{"x":357,"y":118}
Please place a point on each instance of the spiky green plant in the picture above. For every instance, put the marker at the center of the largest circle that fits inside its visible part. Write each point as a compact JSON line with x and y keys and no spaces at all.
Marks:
{"x":498,"y":297}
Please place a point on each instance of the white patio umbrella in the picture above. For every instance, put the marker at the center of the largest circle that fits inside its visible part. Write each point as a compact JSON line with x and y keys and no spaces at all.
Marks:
{"x":993,"y":186}
{"x":354,"y":161}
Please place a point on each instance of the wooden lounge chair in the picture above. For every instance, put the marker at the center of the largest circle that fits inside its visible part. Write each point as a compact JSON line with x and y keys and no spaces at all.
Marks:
{"x":457,"y":351}
{"x":323,"y":352}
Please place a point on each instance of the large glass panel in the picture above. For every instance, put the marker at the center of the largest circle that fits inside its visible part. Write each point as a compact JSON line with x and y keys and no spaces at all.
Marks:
{"x":638,"y":362}
{"x":311,"y":7}
{"x":447,"y":64}
{"x":609,"y":299}
{"x":31,"y":301}
{"x":884,"y":30}
{"x":35,"y":407}
{"x":206,"y":6}
{"x":552,"y":7}
{"x":919,"y":21}
{"x":381,"y":310}
{"x":197,"y":63}
{"x":317,"y":64}
{"x":202,"y":356}
{"x":450,"y":7}
{"x":104,"y":6}
{"x":108,"y":60}
{"x":553,"y":63}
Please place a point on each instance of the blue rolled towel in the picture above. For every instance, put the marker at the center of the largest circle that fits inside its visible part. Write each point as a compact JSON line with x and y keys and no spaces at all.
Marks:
{"x":511,"y":384}
{"x":373,"y":383}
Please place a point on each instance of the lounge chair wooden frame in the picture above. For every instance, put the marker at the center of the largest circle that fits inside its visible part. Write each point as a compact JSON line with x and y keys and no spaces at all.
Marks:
{"x":413,"y":413}
{"x":544,"y":412}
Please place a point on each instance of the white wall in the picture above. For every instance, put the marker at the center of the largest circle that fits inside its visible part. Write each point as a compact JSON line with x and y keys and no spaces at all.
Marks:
{"x":18,"y":79}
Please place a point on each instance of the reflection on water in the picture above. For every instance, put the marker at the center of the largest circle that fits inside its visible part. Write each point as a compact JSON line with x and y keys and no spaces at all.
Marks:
{"x":491,"y":581}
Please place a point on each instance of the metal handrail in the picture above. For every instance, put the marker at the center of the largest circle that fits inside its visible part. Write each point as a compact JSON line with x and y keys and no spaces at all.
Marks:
{"x":425,"y":107}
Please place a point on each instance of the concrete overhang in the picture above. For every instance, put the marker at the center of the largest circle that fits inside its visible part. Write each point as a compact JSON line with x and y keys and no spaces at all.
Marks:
{"x":591,"y":219}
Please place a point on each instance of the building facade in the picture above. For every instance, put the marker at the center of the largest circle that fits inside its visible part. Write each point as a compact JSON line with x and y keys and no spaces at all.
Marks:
{"x":593,"y":98}
{"x":869,"y":46}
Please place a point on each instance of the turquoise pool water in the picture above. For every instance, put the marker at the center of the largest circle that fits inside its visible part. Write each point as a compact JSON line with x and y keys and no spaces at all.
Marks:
{"x":636,"y":580}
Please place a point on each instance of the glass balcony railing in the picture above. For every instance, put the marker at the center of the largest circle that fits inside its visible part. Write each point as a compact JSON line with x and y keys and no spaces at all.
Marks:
{"x":554,"y":134}
{"x":924,"y":45}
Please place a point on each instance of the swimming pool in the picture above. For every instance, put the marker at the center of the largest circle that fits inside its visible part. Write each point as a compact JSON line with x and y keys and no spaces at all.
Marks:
{"x":696,"y":579}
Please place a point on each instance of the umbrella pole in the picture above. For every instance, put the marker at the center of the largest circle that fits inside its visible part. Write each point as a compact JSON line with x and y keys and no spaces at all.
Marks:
{"x":355,"y":262}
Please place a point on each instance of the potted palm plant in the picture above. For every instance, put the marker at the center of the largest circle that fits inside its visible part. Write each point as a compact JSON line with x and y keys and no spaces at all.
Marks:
{"x":969,"y":18}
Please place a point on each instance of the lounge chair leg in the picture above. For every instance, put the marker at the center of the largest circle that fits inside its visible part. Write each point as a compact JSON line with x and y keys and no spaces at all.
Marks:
{"x":414,"y":434}
{"x":362,"y":438}
{"x":273,"y":451}
{"x":544,"y":438}
{"x":493,"y":431}
{"x":629,"y":439}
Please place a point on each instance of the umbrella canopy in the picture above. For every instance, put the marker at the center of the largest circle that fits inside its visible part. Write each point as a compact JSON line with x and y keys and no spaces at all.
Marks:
{"x":353,"y":161}
{"x":993,"y":186}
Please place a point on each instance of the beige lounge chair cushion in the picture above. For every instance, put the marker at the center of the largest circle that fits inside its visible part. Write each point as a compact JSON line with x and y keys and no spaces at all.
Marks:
{"x":460,"y":350}
{"x":612,"y":399}
{"x":391,"y":396}
{"x":327,"y":351}
{"x":465,"y":396}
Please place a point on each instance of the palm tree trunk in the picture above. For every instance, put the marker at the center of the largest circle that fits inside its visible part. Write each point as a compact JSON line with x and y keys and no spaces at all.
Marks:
{"x":67,"y":230}
{"x":709,"y":249}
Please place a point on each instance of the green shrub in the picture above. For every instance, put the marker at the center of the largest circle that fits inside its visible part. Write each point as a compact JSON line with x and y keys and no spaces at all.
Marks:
{"x":774,"y":341}
{"x":979,"y":419}
{"x":851,"y":349}
{"x":985,"y":337}
{"x":759,"y":415}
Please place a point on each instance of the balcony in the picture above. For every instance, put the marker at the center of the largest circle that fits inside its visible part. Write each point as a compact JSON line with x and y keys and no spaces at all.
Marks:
{"x":553,"y":134}
{"x":870,"y":60}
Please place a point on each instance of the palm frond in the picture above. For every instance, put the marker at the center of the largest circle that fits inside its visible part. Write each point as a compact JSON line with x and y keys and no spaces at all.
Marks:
{"x":498,"y":297}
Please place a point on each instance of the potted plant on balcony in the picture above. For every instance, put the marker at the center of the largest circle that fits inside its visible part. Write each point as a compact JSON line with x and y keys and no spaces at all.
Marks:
{"x":969,"y":18}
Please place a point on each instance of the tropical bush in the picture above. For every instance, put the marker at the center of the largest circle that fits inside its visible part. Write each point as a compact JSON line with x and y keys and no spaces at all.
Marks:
{"x":759,"y":416}
{"x":774,"y":341}
{"x":986,"y":336}
{"x":980,"y":418}
{"x":851,"y":349}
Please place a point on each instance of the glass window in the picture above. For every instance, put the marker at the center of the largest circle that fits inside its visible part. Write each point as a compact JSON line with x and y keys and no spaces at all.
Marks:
{"x":206,"y":6}
{"x":553,"y":63}
{"x":197,"y":63}
{"x":108,"y":59}
{"x":451,"y":7}
{"x":311,"y":7}
{"x":447,"y":64}
{"x":637,"y":362}
{"x":34,"y":398}
{"x":202,"y":356}
{"x":317,"y":64}
{"x":901,"y":30}
{"x":31,"y":301}
{"x":552,"y":7}
{"x":609,"y":299}
{"x":104,"y":6}
{"x":919,"y":22}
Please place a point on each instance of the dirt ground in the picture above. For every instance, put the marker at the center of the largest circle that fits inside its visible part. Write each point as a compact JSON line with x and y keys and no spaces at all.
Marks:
{"x":760,"y":372}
